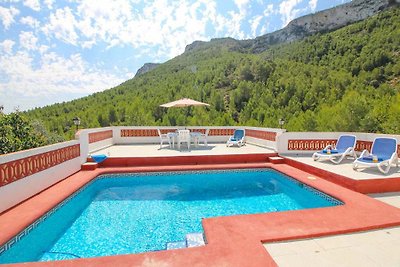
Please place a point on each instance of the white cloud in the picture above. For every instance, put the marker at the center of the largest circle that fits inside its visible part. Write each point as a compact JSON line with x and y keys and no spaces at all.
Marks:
{"x":89,"y":44}
{"x":288,"y":11}
{"x":230,"y":25}
{"x":269,"y":10}
{"x":49,"y":3}
{"x":43,"y":48}
{"x":30,"y":21}
{"x":166,"y":25}
{"x":313,"y":5}
{"x":234,"y":23}
{"x":254,"y":23}
{"x":7,"y":46}
{"x":62,"y":25}
{"x":51,"y":76}
{"x":7,"y":16}
{"x":242,"y":5}
{"x":27,"y":40}
{"x":33,"y":4}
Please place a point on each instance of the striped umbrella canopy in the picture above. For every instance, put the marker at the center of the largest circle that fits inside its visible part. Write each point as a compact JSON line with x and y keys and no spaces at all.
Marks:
{"x":184,"y":102}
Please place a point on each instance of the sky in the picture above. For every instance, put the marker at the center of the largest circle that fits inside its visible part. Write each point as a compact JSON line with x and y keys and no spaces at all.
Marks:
{"x":54,"y":51}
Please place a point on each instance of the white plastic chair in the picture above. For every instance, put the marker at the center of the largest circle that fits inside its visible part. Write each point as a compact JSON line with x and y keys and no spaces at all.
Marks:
{"x":203,"y":137}
{"x":183,"y":137}
{"x":164,"y":137}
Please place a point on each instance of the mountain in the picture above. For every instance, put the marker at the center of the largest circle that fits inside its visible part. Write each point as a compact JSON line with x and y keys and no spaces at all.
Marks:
{"x":341,"y":80}
{"x":320,"y":22}
{"x":323,"y":21}
{"x":146,"y":68}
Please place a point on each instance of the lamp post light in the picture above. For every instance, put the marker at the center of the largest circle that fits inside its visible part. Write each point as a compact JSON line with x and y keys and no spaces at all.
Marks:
{"x":77,"y":122}
{"x":281,"y":122}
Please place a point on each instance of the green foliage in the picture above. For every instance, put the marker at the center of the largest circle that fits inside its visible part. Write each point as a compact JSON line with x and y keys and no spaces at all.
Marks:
{"x":16,"y":133}
{"x":346,"y":80}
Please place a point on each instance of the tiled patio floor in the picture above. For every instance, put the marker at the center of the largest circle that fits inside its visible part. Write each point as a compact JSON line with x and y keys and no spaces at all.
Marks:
{"x":152,"y":150}
{"x":392,"y":198}
{"x":372,"y":248}
{"x":345,"y":168}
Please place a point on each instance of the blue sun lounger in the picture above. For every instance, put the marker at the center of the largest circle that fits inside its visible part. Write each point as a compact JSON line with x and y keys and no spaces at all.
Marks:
{"x":237,"y":138}
{"x":383,"y":155}
{"x":345,"y":146}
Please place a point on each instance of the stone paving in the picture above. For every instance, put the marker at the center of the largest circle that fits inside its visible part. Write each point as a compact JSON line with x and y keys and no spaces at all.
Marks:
{"x":152,"y":150}
{"x":372,"y":248}
{"x":345,"y":168}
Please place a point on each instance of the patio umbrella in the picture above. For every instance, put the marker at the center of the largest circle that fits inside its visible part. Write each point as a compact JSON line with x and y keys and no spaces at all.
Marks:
{"x":184,"y":102}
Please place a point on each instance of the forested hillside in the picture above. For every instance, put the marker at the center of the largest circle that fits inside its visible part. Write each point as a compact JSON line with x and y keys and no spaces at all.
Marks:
{"x":346,"y":80}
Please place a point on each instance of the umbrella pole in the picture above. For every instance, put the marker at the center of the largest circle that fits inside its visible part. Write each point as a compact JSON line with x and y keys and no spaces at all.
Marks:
{"x":187,"y":115}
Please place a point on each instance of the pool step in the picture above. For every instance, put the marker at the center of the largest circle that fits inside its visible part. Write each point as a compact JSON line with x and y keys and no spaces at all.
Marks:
{"x":191,"y":240}
{"x":176,"y":245}
{"x":276,"y":160}
{"x":195,"y":240}
{"x":89,"y":166}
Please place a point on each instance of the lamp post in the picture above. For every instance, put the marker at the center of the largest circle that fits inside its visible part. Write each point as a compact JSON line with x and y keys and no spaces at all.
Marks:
{"x":77,"y":122}
{"x":281,"y":122}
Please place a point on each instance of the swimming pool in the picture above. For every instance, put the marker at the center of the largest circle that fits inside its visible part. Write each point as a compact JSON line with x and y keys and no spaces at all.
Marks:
{"x":132,"y":213}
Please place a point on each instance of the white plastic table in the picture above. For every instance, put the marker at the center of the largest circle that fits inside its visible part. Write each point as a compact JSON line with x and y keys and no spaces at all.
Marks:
{"x":194,"y":136}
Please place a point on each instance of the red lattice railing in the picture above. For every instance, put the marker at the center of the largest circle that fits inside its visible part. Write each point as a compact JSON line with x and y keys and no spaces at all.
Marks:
{"x":270,"y":136}
{"x":316,"y":144}
{"x":221,"y":132}
{"x":154,"y":132}
{"x":18,"y":169}
{"x":309,"y":144}
{"x":361,"y":145}
{"x":99,"y":136}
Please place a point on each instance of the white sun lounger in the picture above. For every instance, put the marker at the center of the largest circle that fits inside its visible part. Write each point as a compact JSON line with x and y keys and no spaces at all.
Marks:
{"x":345,"y":146}
{"x":383,"y":155}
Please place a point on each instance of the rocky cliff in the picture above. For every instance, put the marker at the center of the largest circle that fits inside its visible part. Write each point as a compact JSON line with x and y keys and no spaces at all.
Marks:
{"x":323,"y":21}
{"x":146,"y":68}
{"x":227,"y":42}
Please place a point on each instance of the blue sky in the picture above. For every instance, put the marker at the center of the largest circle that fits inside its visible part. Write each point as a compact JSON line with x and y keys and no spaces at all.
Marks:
{"x":54,"y":51}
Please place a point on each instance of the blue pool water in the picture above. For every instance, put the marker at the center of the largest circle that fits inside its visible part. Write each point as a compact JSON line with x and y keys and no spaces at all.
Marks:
{"x":132,"y":213}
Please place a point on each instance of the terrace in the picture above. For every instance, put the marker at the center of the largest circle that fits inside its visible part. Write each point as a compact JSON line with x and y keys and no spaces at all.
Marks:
{"x":34,"y":181}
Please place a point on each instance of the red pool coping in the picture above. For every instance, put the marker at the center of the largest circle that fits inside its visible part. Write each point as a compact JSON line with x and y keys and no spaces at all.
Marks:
{"x":232,"y":240}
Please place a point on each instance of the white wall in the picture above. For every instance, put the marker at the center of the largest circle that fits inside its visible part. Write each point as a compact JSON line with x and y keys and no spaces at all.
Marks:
{"x":155,"y":140}
{"x":86,"y":147}
{"x":262,"y":142}
{"x":16,"y":192}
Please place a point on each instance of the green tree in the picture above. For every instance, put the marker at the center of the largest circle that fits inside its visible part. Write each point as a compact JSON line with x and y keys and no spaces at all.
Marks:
{"x":16,"y":133}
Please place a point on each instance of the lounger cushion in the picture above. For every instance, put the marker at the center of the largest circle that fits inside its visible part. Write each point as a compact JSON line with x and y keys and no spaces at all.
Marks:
{"x":99,"y":158}
{"x":332,"y":151}
{"x":370,"y":159}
